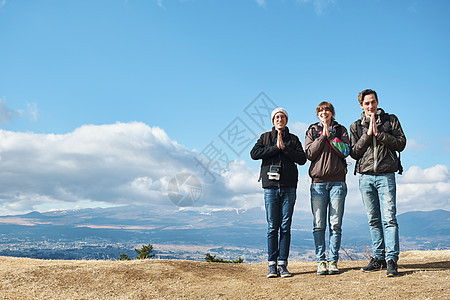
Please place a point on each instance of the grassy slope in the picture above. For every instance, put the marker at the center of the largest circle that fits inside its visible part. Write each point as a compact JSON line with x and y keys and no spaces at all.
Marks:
{"x":423,"y":275}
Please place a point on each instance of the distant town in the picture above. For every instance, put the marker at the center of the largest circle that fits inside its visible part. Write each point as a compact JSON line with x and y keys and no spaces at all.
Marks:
{"x":72,"y":235}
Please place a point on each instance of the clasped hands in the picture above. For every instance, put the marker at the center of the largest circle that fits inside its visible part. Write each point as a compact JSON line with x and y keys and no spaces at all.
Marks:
{"x":326,"y":124}
{"x":372,"y":126}
{"x":280,"y":143}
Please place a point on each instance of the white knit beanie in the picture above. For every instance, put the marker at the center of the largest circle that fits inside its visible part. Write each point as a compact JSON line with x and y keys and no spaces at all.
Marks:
{"x":277,"y":110}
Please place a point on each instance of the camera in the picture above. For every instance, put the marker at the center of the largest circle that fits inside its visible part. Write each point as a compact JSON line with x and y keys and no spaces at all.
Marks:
{"x":274,"y":172}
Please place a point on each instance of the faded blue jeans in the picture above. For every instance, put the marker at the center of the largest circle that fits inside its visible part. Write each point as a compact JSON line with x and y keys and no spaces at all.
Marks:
{"x":378,"y":193}
{"x":279,"y":209}
{"x":327,"y":205}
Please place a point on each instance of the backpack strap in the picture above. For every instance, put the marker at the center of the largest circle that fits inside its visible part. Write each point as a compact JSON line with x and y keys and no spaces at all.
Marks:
{"x":359,"y":129}
{"x":400,"y":167}
{"x":266,"y":138}
{"x":265,"y":143}
{"x":338,"y":132}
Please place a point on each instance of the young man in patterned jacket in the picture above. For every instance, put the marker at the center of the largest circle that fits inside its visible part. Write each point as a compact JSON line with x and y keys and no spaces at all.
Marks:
{"x":327,"y":146}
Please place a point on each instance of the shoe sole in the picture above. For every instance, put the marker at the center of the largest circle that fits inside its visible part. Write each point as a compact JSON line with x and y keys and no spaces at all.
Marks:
{"x":272,"y":275}
{"x":333,"y":272}
{"x":373,"y":270}
{"x":286,"y":275}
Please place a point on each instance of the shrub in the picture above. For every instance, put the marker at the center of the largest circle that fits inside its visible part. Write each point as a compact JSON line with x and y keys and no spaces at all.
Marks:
{"x":144,"y":252}
{"x":124,"y":256}
{"x":213,"y":258}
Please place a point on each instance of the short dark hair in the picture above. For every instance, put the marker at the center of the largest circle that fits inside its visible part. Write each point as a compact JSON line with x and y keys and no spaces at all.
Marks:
{"x":365,"y":93}
{"x":325,"y":105}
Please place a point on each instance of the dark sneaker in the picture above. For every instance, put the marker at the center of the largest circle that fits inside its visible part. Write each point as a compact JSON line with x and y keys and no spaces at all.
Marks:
{"x":284,"y":271}
{"x":272,"y":271}
{"x":322,"y":268}
{"x":332,"y":268}
{"x":375,"y":264}
{"x":391,"y":268}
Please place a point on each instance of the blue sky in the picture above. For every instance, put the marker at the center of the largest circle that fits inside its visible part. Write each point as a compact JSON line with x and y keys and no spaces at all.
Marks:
{"x":160,"y":81}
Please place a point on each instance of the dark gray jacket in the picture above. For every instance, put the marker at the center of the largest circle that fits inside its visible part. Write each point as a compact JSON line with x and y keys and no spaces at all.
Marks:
{"x":377,"y":155}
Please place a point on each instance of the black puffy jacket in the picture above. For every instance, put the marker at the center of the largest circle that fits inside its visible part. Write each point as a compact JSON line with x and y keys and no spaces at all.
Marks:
{"x":377,"y":155}
{"x":270,"y":154}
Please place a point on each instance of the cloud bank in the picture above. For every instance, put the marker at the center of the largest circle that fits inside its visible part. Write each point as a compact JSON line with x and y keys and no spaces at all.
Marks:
{"x":426,"y":189}
{"x":133,"y":163}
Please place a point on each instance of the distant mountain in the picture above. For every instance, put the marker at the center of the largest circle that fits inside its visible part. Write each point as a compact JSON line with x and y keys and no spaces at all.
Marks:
{"x":425,"y":223}
{"x":117,"y":228}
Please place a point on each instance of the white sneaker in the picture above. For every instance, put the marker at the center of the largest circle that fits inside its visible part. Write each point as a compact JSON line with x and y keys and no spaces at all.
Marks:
{"x":322,"y":268}
{"x":332,"y":268}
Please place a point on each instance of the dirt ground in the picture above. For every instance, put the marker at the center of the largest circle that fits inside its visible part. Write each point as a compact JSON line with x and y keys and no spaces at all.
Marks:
{"x":422,"y":275}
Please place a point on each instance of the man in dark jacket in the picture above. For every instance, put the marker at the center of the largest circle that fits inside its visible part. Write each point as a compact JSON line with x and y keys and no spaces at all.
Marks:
{"x":374,"y":140}
{"x":279,"y":151}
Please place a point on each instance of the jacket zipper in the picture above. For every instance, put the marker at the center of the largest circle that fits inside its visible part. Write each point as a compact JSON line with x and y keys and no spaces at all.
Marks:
{"x":375,"y":154}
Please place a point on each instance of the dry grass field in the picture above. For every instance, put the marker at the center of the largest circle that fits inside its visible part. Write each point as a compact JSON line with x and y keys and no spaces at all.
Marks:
{"x":423,"y":275}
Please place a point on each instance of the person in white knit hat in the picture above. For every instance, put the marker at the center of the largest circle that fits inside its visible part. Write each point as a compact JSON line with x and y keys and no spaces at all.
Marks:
{"x":279,"y":151}
{"x":277,"y":110}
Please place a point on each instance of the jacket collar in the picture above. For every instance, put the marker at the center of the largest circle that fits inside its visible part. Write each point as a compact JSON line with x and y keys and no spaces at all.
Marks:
{"x":378,"y":115}
{"x":275,"y":132}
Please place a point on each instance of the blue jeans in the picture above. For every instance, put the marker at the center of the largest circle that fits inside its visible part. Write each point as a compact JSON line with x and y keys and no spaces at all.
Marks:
{"x":327,"y":205}
{"x":378,"y":193}
{"x":279,"y":209}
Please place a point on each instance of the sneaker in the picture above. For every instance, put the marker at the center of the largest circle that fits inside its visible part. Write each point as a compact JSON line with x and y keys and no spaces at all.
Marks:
{"x":375,"y":264}
{"x":322,"y":268}
{"x":272,"y":271}
{"x":391,"y":268}
{"x":284,"y":271}
{"x":332,"y":268}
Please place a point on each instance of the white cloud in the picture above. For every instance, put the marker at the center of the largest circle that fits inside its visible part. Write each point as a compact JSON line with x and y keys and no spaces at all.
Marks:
{"x":261,"y":2}
{"x":108,"y":163}
{"x":319,"y":5}
{"x":416,"y":175}
{"x":241,"y":179}
{"x":299,"y":129}
{"x":413,"y":145}
{"x":160,"y":4}
{"x":132,"y":163}
{"x":6,"y":113}
{"x":424,"y":189}
{"x":32,"y":111}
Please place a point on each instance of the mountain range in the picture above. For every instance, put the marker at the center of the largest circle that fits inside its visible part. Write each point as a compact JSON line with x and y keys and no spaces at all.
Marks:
{"x":106,"y":232}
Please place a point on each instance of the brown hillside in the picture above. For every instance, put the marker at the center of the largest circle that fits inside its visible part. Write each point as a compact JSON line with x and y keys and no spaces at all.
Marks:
{"x":423,"y":275}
